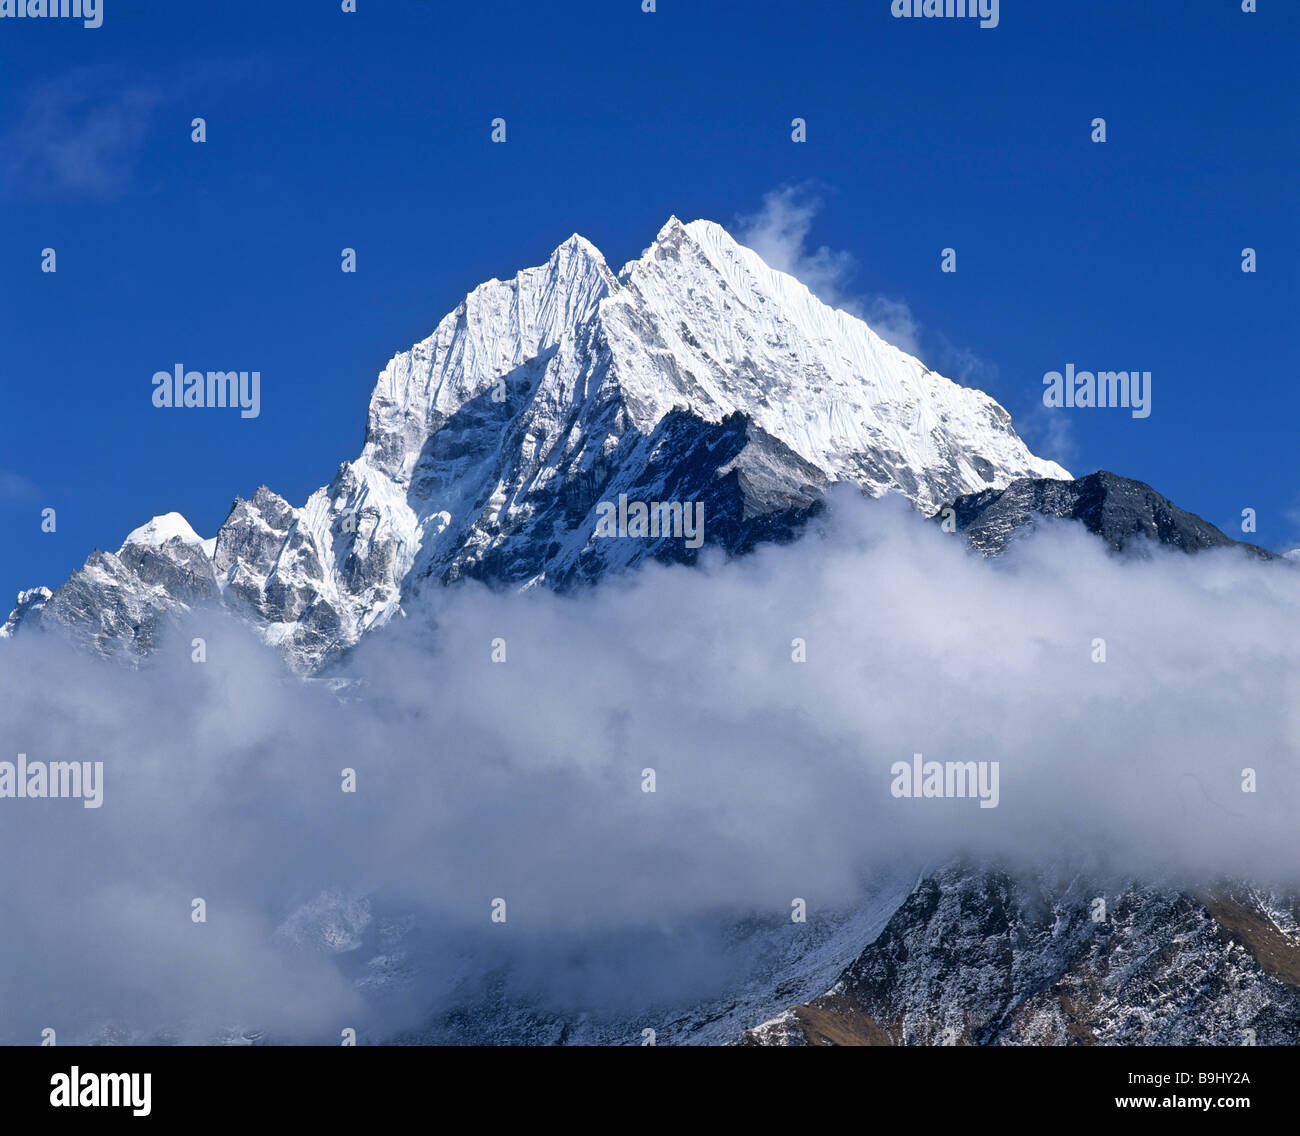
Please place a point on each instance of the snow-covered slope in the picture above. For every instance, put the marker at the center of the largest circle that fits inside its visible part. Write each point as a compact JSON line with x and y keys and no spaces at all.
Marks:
{"x":28,"y":608}
{"x":697,"y":374}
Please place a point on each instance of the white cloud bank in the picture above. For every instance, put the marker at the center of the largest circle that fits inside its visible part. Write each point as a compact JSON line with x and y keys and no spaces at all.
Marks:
{"x":522,"y":780}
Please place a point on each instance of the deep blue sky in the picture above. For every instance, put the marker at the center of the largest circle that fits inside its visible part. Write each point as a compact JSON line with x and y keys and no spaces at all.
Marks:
{"x":372,"y":131}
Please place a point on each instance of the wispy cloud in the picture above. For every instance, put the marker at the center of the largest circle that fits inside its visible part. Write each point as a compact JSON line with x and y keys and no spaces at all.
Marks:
{"x":778,"y":231}
{"x":15,"y":489}
{"x":1050,"y":434}
{"x":893,"y":321}
{"x":81,"y":135}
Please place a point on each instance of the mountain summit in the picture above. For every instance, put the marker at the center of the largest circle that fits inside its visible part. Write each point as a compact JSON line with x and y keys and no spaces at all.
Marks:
{"x":696,"y":374}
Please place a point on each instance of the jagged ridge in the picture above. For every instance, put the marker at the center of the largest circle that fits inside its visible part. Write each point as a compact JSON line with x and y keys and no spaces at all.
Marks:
{"x":697,"y":373}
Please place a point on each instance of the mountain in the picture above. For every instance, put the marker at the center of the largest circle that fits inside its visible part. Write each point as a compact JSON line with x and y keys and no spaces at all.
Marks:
{"x":121,"y":601}
{"x":977,"y":956}
{"x":27,"y":610}
{"x":696,"y":374}
{"x":1126,"y":514}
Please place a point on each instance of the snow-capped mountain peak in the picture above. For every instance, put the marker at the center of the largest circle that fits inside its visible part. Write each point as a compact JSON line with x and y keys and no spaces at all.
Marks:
{"x":168,"y":526}
{"x":728,"y":333}
{"x":698,"y":373}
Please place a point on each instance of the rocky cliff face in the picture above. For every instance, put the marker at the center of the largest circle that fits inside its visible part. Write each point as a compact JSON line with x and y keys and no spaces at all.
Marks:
{"x":976,"y":956}
{"x":1126,"y":514}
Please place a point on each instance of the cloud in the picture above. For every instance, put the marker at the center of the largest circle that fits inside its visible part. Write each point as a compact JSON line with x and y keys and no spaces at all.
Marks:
{"x":80,"y":136}
{"x":1049,"y":434}
{"x":522,"y":780}
{"x":15,"y":489}
{"x":1291,"y":514}
{"x":778,"y":232}
{"x":893,"y":321}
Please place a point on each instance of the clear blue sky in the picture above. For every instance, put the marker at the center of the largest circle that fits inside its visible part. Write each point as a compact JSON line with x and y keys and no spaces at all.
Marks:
{"x":371,"y":130}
